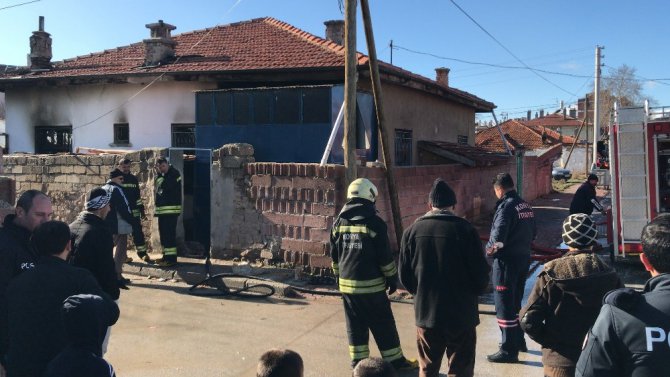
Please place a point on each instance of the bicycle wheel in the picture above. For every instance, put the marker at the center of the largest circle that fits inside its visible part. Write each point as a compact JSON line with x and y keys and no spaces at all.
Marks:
{"x":254,"y":291}
{"x":212,"y":286}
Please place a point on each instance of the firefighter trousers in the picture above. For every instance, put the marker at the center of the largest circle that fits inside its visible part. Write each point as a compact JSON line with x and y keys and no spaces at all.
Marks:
{"x":138,"y":236}
{"x":167,"y":229}
{"x":509,"y":278}
{"x":371,"y":312}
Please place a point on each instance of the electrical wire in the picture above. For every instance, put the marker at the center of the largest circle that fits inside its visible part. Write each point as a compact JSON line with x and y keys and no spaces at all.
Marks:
{"x":18,"y":5}
{"x":157,"y":78}
{"x":508,"y":50}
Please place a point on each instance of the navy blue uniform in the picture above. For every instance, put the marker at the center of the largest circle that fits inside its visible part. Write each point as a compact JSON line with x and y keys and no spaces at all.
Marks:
{"x":363,"y":263}
{"x":513,"y":226}
{"x":630,"y":336}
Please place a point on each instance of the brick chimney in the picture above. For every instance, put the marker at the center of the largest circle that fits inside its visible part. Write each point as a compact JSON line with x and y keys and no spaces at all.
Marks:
{"x":159,"y":49}
{"x":40,"y":48}
{"x":442,"y":76}
{"x":335,"y":31}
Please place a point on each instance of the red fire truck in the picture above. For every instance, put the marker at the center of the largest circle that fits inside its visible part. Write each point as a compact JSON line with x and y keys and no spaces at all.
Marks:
{"x":640,"y":174}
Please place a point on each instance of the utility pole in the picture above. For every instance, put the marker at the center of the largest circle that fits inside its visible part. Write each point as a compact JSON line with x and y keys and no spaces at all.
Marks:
{"x":350,"y":76}
{"x":381,"y":120}
{"x":596,"y":108}
{"x":391,"y":48}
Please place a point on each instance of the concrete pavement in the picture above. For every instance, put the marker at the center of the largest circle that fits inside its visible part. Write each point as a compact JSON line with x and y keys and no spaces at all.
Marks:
{"x":164,"y":331}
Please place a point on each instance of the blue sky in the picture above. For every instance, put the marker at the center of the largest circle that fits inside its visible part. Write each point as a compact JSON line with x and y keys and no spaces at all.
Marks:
{"x":555,"y":36}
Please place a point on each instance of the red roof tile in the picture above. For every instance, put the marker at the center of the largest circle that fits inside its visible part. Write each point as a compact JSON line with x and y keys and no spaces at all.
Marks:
{"x":517,"y":134}
{"x":465,"y":154}
{"x":260,"y":44}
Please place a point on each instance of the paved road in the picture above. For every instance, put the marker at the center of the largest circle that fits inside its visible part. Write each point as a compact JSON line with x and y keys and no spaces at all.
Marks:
{"x":163,"y":331}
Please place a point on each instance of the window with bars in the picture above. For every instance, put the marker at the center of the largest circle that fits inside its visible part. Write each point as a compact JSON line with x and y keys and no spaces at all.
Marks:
{"x":403,"y":147}
{"x":53,"y":139}
{"x":462,"y":139}
{"x":183,"y":135}
{"x":121,"y":134}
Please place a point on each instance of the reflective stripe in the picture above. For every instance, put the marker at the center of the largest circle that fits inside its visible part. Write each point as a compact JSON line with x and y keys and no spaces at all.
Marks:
{"x":168,"y":210}
{"x":178,"y":178}
{"x":139,"y":202}
{"x":170,"y":251}
{"x":391,"y":354}
{"x":389,"y":269}
{"x":355,"y":229}
{"x":141,"y":248}
{"x":362,"y":286}
{"x":159,"y":181}
{"x":359,"y":352}
{"x":129,"y":185}
{"x":336,"y":268}
{"x":136,"y":213}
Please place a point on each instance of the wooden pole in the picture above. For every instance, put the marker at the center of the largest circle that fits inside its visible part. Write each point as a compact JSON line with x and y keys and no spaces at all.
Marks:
{"x":383,"y":134}
{"x":351,"y":62}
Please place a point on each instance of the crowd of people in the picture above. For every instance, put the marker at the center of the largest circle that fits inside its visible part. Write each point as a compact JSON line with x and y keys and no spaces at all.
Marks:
{"x":60,"y":285}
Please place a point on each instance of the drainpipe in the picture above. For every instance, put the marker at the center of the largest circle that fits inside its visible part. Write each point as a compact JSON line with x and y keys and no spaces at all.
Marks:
{"x":519,"y":169}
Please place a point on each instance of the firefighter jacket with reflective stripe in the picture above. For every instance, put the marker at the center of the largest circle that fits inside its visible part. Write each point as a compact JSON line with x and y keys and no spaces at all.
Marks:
{"x":359,"y":245}
{"x":131,"y":188}
{"x":168,"y":193}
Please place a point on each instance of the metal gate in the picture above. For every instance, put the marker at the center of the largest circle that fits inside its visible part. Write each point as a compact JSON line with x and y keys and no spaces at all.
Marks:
{"x":200,"y":181}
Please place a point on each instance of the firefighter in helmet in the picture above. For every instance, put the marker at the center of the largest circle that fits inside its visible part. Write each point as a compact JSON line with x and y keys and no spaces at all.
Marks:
{"x":364,"y":265}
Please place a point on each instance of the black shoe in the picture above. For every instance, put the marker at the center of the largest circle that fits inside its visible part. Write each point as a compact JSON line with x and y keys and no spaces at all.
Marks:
{"x":122,"y":284}
{"x":145,"y":257}
{"x":503,"y":357}
{"x":405,"y":364}
{"x":166,"y":263}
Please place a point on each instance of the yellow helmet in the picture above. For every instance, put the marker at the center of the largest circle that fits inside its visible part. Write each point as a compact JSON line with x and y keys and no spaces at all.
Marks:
{"x":362,"y":188}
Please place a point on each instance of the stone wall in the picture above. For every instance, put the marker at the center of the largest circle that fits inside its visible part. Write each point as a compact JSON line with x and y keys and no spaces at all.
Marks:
{"x":67,"y":178}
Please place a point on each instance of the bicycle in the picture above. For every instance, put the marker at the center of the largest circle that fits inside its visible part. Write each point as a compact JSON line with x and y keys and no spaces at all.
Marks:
{"x":215,"y":285}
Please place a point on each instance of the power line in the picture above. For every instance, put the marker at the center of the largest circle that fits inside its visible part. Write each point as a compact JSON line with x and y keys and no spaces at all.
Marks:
{"x":488,"y":64}
{"x":18,"y":5}
{"x":506,"y":49}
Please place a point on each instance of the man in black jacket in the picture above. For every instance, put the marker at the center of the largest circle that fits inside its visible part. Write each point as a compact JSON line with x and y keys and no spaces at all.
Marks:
{"x":567,"y":297}
{"x":85,"y":319}
{"x":168,"y":209}
{"x":630,"y":335}
{"x":585,"y":198}
{"x":442,"y":264}
{"x":32,"y":209}
{"x":131,"y":188}
{"x":512,"y":232}
{"x":119,"y":220}
{"x":364,"y":266}
{"x":36,"y":333}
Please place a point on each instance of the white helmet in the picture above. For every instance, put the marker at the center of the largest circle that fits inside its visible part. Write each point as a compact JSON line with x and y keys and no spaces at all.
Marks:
{"x":362,"y":188}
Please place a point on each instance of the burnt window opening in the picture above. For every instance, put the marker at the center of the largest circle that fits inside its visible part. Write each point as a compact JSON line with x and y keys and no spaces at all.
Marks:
{"x":403,"y":147}
{"x":121,"y":134}
{"x":183,"y":135}
{"x":462,"y":140}
{"x":4,"y":143}
{"x":53,"y":139}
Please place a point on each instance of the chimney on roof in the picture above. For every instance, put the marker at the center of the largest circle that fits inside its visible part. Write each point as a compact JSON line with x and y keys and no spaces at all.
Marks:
{"x":40,"y":48}
{"x":542,"y":113}
{"x":442,"y":75}
{"x":528,"y":115}
{"x":159,"y":48}
{"x":335,"y":31}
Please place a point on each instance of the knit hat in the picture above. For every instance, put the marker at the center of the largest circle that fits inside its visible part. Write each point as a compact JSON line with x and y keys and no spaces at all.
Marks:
{"x":115,"y":173}
{"x":441,"y":195}
{"x":579,"y":230}
{"x":97,"y":198}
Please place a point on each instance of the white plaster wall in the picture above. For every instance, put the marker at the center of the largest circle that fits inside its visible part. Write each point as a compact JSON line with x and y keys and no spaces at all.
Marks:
{"x":149,"y":114}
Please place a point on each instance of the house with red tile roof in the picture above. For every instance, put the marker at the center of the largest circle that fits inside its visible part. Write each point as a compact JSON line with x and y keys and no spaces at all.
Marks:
{"x":261,"y":81}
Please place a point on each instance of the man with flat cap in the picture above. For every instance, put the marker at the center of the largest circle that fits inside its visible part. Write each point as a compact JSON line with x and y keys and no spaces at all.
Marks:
{"x":442,"y":263}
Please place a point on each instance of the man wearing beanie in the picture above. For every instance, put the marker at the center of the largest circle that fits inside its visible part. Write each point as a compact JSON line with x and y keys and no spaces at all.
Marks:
{"x":119,"y":220}
{"x":512,"y":232}
{"x":567,"y":297}
{"x":585,"y":197}
{"x":442,"y":263}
